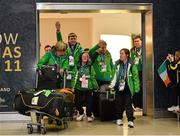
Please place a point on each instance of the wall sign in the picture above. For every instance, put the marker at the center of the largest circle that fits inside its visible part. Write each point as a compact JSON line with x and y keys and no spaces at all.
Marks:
{"x":17,"y":49}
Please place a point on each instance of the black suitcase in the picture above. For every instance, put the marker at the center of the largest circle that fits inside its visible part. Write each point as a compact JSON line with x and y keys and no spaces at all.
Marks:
{"x":43,"y":101}
{"x":107,"y":110}
{"x":49,"y":77}
{"x":96,"y":104}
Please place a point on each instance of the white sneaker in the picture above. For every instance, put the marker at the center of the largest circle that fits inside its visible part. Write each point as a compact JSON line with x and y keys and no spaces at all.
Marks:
{"x":119,"y":122}
{"x":177,"y":108}
{"x":130,"y":124}
{"x":137,"y":109}
{"x":173,"y":108}
{"x":89,"y":119}
{"x":80,"y":117}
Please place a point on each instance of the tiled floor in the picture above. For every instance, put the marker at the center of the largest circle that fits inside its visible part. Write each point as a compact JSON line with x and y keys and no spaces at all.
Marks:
{"x":143,"y":126}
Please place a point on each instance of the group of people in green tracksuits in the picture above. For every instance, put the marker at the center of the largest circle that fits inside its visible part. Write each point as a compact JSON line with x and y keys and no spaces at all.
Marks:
{"x":89,"y":69}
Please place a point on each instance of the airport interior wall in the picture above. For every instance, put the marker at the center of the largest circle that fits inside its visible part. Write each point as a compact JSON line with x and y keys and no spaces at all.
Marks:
{"x":18,"y":19}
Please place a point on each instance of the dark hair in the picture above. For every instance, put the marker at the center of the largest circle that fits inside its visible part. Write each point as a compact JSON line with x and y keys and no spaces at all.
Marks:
{"x":126,"y":51}
{"x":80,"y":58}
{"x":47,"y":46}
{"x":86,"y":49}
{"x":137,"y":37}
{"x":53,"y":47}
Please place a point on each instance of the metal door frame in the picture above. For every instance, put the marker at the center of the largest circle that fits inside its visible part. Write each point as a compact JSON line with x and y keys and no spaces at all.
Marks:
{"x":142,"y":8}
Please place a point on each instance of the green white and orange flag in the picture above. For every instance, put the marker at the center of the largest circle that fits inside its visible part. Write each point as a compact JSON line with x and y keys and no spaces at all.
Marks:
{"x":162,"y":71}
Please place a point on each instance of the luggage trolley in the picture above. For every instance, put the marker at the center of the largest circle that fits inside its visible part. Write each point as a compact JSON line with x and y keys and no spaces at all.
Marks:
{"x":37,"y":120}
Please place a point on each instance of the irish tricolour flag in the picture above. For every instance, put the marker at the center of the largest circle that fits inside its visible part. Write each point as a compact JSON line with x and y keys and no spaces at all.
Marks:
{"x":162,"y":71}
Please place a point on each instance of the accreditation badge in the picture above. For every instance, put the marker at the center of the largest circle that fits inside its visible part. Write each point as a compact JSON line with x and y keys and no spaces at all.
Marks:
{"x":122,"y":85}
{"x":71,"y":60}
{"x":69,"y":77}
{"x":103,"y":68}
{"x":84,"y":82}
{"x":136,"y":60}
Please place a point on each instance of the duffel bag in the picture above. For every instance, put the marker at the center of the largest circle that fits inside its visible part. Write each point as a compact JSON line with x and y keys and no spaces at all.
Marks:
{"x":66,"y":93}
{"x":69,"y":100}
{"x":44,"y":101}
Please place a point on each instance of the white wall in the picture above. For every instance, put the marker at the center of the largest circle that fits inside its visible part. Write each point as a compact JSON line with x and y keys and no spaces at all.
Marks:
{"x":118,"y":24}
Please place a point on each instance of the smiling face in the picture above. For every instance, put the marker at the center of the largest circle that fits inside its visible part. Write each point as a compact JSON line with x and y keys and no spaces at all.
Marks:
{"x":124,"y":55}
{"x":85,"y":57}
{"x":137,"y":43}
{"x":103,"y":49}
{"x":72,"y":39}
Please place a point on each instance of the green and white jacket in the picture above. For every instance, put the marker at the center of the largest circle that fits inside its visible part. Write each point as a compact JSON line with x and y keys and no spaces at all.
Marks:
{"x":77,"y":51}
{"x":132,"y":77}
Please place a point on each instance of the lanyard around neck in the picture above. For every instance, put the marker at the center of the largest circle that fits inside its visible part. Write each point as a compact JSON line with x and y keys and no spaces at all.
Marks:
{"x":103,"y":57}
{"x":123,"y":71}
{"x":137,"y":53}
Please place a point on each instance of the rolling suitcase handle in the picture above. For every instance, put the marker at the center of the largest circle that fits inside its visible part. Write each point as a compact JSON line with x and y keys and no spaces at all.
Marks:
{"x":64,"y":79}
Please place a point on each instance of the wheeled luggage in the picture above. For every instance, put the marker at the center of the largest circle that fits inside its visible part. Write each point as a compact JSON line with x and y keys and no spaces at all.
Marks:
{"x":107,"y":106}
{"x":107,"y":110}
{"x":96,"y":104}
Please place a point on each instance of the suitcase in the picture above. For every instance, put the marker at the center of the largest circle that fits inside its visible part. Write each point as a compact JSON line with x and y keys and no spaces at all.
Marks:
{"x":45,"y":101}
{"x":96,"y":104}
{"x":49,"y":77}
{"x":107,"y":110}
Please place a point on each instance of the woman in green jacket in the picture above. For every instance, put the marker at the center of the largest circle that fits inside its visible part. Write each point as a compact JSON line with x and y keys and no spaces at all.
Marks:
{"x":125,"y":83}
{"x":57,"y":58}
{"x":84,"y":83}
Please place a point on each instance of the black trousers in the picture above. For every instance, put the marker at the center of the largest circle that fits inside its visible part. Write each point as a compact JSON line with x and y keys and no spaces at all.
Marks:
{"x":124,"y":102}
{"x":83,"y":98}
{"x":138,"y":97}
{"x":173,"y":95}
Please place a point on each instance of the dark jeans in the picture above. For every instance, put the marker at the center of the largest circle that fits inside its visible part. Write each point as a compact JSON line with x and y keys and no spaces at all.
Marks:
{"x":83,"y":98}
{"x":124,"y":102}
{"x":138,"y":97}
